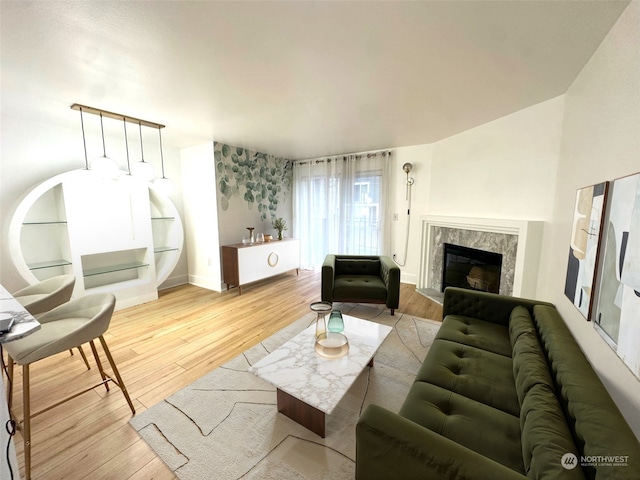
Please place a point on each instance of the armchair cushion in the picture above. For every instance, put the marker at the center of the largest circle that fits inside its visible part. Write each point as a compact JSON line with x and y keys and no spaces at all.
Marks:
{"x":361,"y":287}
{"x":357,"y":266}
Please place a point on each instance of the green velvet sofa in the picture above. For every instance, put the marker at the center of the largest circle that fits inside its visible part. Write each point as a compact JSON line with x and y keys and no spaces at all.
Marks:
{"x":361,"y":279}
{"x":505,"y":392}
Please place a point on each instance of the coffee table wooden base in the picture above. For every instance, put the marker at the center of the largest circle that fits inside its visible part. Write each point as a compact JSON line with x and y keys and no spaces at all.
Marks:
{"x":300,"y":412}
{"x":297,"y":371}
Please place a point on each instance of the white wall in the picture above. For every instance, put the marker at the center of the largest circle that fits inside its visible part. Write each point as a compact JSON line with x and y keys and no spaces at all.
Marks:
{"x":601,"y":141}
{"x":32,"y":151}
{"x":201,"y":216}
{"x":502,"y":169}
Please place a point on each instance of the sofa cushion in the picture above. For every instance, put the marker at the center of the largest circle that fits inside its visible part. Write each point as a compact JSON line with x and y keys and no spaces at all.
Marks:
{"x":530,"y":365}
{"x":520,"y":322}
{"x":360,"y":287}
{"x":598,"y":427}
{"x":357,"y":266}
{"x":546,"y":437}
{"x":477,"y":374}
{"x":479,"y":427}
{"x":389,"y":446}
{"x":476,"y":333}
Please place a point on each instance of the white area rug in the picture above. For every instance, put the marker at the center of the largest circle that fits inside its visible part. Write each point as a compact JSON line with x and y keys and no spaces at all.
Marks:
{"x":226,"y":425}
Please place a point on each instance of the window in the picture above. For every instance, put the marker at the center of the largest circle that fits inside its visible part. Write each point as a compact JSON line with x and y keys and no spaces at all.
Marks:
{"x":338,"y":207}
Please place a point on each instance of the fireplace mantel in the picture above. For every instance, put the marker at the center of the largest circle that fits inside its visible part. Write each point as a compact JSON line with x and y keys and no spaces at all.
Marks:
{"x":529,"y":239}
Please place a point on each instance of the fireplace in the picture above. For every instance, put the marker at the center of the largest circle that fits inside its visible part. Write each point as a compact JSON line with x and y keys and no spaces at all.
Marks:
{"x":518,"y":241}
{"x":471,"y":268}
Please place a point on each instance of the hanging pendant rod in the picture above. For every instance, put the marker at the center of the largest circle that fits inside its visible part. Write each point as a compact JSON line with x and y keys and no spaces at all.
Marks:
{"x":117,"y":116}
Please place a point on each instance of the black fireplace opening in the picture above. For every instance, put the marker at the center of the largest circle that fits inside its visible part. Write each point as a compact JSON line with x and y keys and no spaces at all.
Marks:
{"x":471,"y":268}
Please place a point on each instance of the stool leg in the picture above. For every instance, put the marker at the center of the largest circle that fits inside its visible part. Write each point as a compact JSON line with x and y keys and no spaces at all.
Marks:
{"x":84,"y":357}
{"x":26,"y":429}
{"x":10,"y":380}
{"x":99,"y":363}
{"x":117,"y":374}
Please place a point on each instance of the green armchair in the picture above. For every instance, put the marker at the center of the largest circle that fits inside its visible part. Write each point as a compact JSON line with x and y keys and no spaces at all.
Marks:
{"x":361,"y":279}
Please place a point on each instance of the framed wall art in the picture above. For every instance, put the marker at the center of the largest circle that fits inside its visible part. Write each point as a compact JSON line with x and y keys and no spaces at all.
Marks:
{"x":617,"y":315}
{"x":584,"y":246}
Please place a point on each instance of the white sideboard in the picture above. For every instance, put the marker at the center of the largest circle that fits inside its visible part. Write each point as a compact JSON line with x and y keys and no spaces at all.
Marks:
{"x":242,"y":264}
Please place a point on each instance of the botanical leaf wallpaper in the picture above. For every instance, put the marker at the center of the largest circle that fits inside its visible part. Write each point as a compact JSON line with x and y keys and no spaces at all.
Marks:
{"x":259,"y":179}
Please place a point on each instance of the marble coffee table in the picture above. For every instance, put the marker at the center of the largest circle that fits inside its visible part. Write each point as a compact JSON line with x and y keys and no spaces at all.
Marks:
{"x":310,"y":386}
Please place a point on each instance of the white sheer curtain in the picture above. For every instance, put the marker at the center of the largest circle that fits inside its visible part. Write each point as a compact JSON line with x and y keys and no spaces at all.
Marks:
{"x":340,"y":205}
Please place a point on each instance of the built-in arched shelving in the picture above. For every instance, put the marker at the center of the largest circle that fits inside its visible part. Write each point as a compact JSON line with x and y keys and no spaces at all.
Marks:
{"x":118,"y":234}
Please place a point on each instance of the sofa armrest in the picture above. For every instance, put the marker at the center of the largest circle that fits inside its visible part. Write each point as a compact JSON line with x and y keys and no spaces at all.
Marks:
{"x":391,"y":446}
{"x":490,"y":307}
{"x":328,"y":275}
{"x":390,"y":274}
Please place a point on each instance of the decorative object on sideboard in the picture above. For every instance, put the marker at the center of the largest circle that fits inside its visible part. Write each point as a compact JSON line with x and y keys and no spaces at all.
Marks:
{"x":279,"y":225}
{"x":267,"y":237}
{"x":250,"y":238}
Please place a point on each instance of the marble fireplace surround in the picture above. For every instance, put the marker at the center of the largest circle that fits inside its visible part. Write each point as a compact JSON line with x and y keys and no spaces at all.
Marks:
{"x":519,"y":241}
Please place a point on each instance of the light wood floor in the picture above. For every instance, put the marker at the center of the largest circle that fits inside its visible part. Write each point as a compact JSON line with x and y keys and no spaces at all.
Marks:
{"x":159,"y":347}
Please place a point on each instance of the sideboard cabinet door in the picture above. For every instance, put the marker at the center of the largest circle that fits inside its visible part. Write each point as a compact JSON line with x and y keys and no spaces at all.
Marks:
{"x":242,"y":264}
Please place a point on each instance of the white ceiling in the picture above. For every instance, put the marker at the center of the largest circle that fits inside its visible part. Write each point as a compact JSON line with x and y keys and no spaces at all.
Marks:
{"x":297,"y":79}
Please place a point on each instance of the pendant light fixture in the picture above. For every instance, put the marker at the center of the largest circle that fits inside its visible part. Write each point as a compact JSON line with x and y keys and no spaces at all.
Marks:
{"x":142,"y":169}
{"x":104,"y":165}
{"x":84,"y":142}
{"x":126,"y":145}
{"x":164,"y":185}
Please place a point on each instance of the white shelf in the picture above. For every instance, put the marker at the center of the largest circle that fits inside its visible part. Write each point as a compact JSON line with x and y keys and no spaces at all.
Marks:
{"x":115,"y":235}
{"x":113,"y":268}
{"x":55,"y":222}
{"x":48,"y":264}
